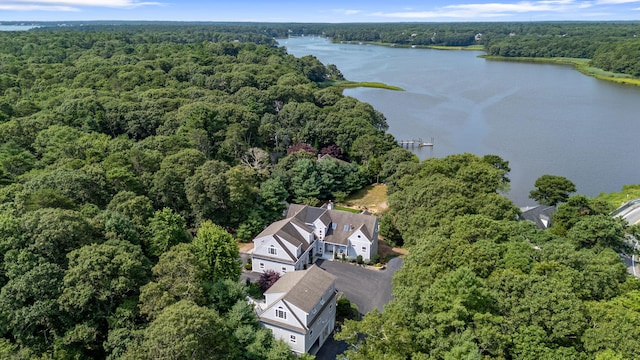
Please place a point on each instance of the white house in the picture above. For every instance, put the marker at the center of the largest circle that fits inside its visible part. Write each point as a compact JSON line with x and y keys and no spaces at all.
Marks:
{"x":308,"y":233}
{"x":300,"y":309}
{"x":286,"y":245}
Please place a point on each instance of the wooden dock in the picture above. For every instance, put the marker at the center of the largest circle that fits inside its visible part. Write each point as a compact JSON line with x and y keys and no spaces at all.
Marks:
{"x":413,"y":143}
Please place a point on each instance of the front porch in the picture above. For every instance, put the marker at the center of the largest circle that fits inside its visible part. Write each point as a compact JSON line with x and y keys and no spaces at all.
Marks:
{"x":326,"y":251}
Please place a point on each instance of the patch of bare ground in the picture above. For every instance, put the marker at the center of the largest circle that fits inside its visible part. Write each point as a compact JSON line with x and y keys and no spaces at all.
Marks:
{"x":245,"y":248}
{"x":372,"y":198}
{"x":385,"y":250}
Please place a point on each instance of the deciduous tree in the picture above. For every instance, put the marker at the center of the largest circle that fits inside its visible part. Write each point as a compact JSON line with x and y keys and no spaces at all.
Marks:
{"x":217,"y":249}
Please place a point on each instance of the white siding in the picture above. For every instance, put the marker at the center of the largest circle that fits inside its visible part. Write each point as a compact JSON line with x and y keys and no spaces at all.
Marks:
{"x":291,"y":315}
{"x":262,"y":245}
{"x":361,"y":244}
{"x":280,"y":268}
{"x":320,"y":229}
{"x":285,"y":335}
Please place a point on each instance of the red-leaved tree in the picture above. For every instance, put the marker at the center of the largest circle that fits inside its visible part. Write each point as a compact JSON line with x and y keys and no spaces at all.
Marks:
{"x":304,"y":147}
{"x":267,"y":279}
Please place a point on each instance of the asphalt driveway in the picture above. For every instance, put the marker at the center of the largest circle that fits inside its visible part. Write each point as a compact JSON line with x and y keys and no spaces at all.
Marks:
{"x":366,"y":288}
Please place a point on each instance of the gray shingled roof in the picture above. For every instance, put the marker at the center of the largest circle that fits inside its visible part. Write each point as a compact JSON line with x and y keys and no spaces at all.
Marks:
{"x":540,"y":215}
{"x":303,"y":288}
{"x":307,"y":214}
{"x":345,"y":223}
{"x":283,"y":230}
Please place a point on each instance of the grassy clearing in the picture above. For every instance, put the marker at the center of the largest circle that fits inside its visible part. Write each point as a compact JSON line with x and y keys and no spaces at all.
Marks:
{"x":616,"y":199}
{"x":344,"y":208}
{"x":470,"y":47}
{"x":372,"y":198}
{"x":344,"y":84}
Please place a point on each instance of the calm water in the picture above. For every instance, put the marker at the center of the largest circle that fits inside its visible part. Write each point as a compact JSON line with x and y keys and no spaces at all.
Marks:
{"x":16,"y":27}
{"x":543,"y":119}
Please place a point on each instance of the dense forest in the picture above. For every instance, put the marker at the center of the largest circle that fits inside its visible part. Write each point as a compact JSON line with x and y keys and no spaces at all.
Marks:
{"x":610,"y":46}
{"x":133,"y":158}
{"x":478,"y":284}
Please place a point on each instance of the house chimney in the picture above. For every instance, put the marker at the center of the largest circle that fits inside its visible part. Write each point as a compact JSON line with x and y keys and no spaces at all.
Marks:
{"x":330,"y":205}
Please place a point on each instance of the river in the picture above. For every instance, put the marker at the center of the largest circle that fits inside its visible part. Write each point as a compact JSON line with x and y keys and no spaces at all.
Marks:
{"x":542,"y":118}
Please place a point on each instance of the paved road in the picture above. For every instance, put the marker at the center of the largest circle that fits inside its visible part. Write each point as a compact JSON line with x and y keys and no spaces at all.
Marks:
{"x":631,"y":261}
{"x":629,"y":211}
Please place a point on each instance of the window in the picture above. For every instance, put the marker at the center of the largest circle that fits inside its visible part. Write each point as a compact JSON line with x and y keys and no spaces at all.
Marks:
{"x":334,"y":226}
{"x":261,"y":265}
{"x":292,"y":338}
{"x":273,"y":250}
{"x":280,"y":313}
{"x":284,"y":269}
{"x":364,"y":249}
{"x":346,"y":228}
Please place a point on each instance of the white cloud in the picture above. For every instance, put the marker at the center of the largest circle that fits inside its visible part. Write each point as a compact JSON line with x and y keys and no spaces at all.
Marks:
{"x":70,"y":5}
{"x":35,"y":7}
{"x":614,"y":2}
{"x":348,"y":11}
{"x":494,"y":10}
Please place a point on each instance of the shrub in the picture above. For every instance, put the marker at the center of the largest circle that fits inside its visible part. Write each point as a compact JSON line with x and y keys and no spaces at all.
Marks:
{"x":375,"y":258}
{"x":339,"y":196}
{"x":389,"y":257}
{"x":389,"y":231}
{"x":267,"y":279}
{"x":343,"y":307}
{"x":248,"y":266}
{"x":359,"y":260}
{"x":301,"y":147}
{"x":344,"y":257}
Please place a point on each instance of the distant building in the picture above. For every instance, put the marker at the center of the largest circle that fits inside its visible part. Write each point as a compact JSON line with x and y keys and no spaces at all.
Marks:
{"x":540,"y":215}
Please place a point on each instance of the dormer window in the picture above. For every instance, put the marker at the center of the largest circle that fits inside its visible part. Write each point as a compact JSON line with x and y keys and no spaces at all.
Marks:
{"x":280,"y":313}
{"x":272,"y":250}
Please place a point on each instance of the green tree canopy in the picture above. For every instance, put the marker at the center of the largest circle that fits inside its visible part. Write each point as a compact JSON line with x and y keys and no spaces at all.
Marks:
{"x":552,"y":190}
{"x":217,"y":249}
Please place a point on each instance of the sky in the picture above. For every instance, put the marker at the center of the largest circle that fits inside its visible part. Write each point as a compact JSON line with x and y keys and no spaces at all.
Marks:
{"x":333,"y":11}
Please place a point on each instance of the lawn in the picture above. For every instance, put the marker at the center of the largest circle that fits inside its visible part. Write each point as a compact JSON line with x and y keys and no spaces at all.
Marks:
{"x":616,"y":199}
{"x":372,"y":198}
